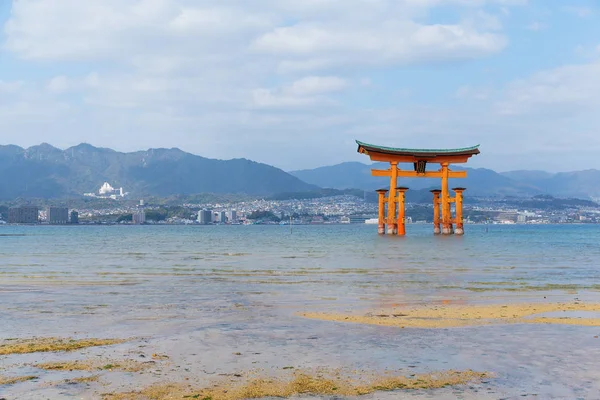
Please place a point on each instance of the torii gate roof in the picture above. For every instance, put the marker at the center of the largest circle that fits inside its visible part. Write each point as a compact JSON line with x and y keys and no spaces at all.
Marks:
{"x":383,"y":153}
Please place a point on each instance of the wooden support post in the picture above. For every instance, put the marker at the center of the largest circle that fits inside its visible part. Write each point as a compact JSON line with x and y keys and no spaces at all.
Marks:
{"x":459,"y":211}
{"x":401,"y":211}
{"x":446,"y":217}
{"x":392,"y":227}
{"x":381,"y":223}
{"x":436,"y":211}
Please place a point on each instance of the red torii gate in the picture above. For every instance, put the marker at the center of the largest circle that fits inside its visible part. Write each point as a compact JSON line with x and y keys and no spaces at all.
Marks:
{"x":419,"y":158}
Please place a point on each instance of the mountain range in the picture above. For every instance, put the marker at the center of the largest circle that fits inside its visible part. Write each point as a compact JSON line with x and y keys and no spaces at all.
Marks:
{"x":45,"y":171}
{"x":479,"y":181}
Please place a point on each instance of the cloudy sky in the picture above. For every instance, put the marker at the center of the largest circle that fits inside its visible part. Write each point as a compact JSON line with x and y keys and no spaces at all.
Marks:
{"x":293,"y":82}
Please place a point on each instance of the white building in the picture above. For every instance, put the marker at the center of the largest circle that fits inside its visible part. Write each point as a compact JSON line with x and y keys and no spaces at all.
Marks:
{"x":205,"y":217}
{"x":106,"y":191}
{"x":139,"y":217}
{"x":232,"y":216}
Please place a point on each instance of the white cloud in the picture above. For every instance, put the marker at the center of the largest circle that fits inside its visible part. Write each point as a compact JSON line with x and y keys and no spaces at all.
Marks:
{"x":162,"y":31}
{"x":565,"y":90}
{"x":226,"y":52}
{"x":24,"y":105}
{"x":244,"y":78}
{"x":308,"y":91}
{"x":122,"y":30}
{"x":316,"y":46}
{"x":7,"y":87}
{"x":483,"y":20}
{"x":467,"y":92}
{"x":581,"y":12}
{"x":535,"y":26}
{"x":317,"y":85}
{"x":273,"y":99}
{"x":58,"y":84}
{"x":365,"y":82}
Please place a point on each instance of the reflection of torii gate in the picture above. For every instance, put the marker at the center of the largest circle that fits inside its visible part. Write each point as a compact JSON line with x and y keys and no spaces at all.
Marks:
{"x":419,"y":158}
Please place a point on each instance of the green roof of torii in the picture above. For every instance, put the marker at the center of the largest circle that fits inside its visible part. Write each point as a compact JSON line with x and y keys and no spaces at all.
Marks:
{"x":424,"y":152}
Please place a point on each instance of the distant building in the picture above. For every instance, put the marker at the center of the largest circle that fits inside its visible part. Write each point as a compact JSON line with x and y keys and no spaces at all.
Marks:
{"x":521,"y":218}
{"x":205,"y":217}
{"x":74,"y":217}
{"x":139,"y":217}
{"x":23,"y":215}
{"x":358,"y":219}
{"x":507,"y":217}
{"x":233,"y":216}
{"x":58,"y":215}
{"x":317,"y":219}
{"x":223,"y":217}
{"x":106,"y":191}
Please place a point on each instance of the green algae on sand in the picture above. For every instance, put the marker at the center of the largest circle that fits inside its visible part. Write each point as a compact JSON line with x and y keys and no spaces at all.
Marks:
{"x":315,"y":383}
{"x":437,"y":316}
{"x":97,"y":365}
{"x":6,"y":380}
{"x":51,"y":344}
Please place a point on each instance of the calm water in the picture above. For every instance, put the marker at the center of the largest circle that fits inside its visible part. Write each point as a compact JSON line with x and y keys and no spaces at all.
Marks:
{"x":203,"y":293}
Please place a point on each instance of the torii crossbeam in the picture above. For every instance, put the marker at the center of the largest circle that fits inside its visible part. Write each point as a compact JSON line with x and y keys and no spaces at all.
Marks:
{"x":419,"y":158}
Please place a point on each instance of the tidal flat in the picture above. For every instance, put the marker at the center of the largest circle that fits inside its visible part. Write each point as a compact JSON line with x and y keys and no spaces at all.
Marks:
{"x":326,"y":312}
{"x":450,"y":316}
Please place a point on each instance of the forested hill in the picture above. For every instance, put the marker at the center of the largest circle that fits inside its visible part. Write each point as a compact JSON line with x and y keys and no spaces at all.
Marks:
{"x":47,"y":172}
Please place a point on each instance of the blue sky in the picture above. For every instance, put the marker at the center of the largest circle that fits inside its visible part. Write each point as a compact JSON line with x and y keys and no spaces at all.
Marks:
{"x":294,"y":83}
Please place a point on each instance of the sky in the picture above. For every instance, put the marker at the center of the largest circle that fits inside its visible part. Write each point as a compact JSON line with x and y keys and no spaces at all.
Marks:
{"x":293,"y":83}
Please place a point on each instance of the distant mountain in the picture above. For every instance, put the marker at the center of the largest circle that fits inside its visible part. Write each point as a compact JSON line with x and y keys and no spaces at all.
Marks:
{"x":348,"y":175}
{"x":527,"y":176}
{"x":47,"y":172}
{"x":44,"y":171}
{"x":479,"y":182}
{"x":565,"y":184}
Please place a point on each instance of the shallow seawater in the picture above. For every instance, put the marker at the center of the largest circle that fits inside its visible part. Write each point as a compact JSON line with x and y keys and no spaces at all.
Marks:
{"x":224,"y":299}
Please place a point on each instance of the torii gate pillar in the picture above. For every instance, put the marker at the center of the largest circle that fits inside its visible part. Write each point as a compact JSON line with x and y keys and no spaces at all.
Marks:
{"x":459,"y":211}
{"x":447,"y":228}
{"x":392,"y":223}
{"x":436,"y":211}
{"x":381,"y":217}
{"x":401,"y":213}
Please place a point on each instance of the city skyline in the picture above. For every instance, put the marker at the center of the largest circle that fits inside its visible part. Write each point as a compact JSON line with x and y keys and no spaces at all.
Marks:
{"x":294,"y":85}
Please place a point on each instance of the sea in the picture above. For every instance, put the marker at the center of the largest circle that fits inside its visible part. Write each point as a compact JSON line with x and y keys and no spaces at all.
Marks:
{"x":220,"y":299}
